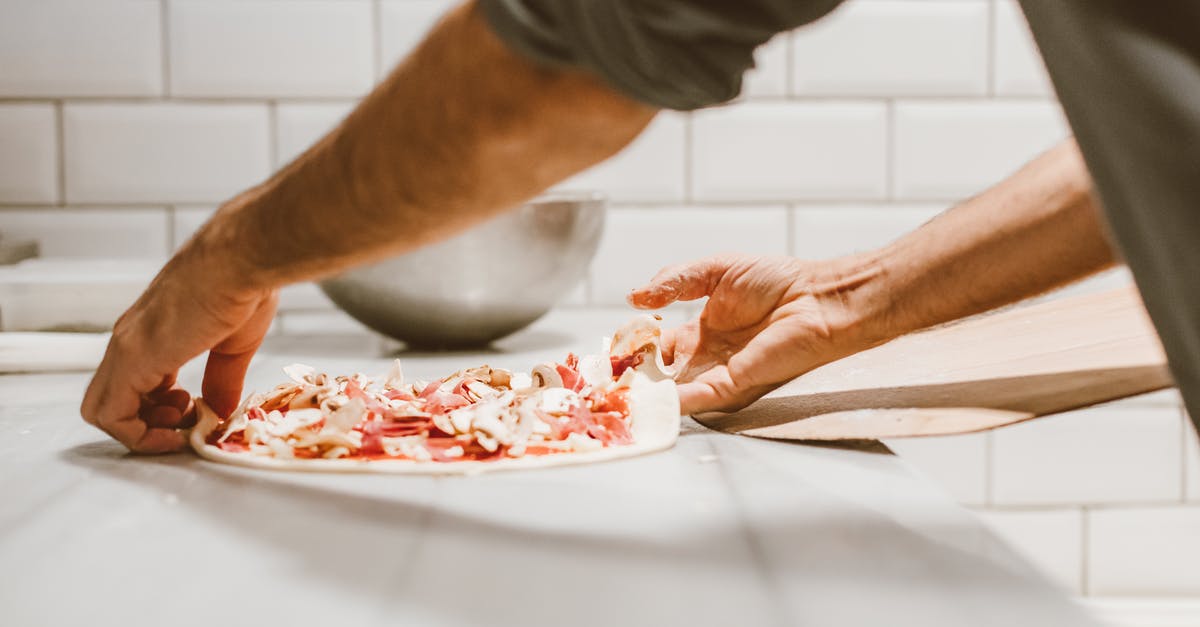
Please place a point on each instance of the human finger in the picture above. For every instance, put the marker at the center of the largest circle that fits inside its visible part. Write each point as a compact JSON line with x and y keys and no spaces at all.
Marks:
{"x":162,"y":416}
{"x":112,"y":404}
{"x":175,"y":397}
{"x":714,"y":390}
{"x":225,"y":371}
{"x":687,"y":281}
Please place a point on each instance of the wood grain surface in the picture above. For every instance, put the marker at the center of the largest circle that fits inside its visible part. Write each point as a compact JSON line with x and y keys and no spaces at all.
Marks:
{"x":977,"y":374}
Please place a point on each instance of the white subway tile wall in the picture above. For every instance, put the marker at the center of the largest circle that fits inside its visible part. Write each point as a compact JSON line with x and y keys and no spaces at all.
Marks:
{"x":73,"y":48}
{"x":185,"y":221}
{"x":952,"y":149}
{"x":959,"y":463}
{"x":1019,"y":70}
{"x":824,"y":232}
{"x":1191,"y":442}
{"x":300,"y":125}
{"x":123,"y":123}
{"x":877,"y":48}
{"x":270,"y":48}
{"x":28,"y":153}
{"x":163,"y":152}
{"x":1052,"y":538}
{"x":1144,"y":551}
{"x":769,"y":78}
{"x":1116,"y":455}
{"x":637,"y":243}
{"x":91,"y":232}
{"x":780,"y":151}
{"x":650,"y":169}
{"x":402,"y":25}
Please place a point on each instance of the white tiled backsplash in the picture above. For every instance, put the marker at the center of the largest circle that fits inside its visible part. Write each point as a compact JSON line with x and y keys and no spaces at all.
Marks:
{"x":123,"y":123}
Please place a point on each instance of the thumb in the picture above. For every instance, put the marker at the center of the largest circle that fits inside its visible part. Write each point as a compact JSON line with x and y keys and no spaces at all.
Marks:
{"x":685,"y":281}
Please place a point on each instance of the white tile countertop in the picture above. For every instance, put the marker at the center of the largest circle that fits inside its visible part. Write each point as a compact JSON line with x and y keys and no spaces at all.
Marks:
{"x":721,"y":530}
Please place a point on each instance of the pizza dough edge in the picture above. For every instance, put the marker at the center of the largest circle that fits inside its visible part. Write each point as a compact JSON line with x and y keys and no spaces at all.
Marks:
{"x":653,"y":410}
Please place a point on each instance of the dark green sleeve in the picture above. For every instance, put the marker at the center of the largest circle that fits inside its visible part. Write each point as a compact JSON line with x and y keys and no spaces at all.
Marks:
{"x":673,"y":54}
{"x":1128,"y":76}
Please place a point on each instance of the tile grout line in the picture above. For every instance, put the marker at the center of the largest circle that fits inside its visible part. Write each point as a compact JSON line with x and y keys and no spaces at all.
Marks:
{"x":377,"y":37}
{"x":165,"y":37}
{"x":1184,"y":439}
{"x":172,"y":245}
{"x":61,"y":147}
{"x":989,"y":457}
{"x":790,"y":225}
{"x":273,"y":135}
{"x":789,"y":81}
{"x":1084,"y":541}
{"x":688,"y":161}
{"x":993,"y":10}
{"x":889,"y":151}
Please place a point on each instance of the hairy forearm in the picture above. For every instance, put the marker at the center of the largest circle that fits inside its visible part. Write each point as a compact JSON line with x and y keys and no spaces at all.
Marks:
{"x":1037,"y":230}
{"x":460,"y":131}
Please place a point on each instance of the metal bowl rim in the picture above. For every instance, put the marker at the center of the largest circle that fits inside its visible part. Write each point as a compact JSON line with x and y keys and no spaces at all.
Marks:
{"x":569,"y":195}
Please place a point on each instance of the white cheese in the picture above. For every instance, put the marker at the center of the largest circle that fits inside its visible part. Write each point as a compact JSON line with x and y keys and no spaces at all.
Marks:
{"x":280,"y":449}
{"x":410,"y":446}
{"x":557,"y":401}
{"x":299,"y":373}
{"x":582,"y":443}
{"x":336,"y":452}
{"x":282,"y":425}
{"x":488,"y":443}
{"x":520,"y":381}
{"x":596,"y":370}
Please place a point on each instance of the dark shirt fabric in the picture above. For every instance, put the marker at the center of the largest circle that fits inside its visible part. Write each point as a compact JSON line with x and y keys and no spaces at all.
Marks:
{"x":673,"y":54}
{"x":1127,"y":74}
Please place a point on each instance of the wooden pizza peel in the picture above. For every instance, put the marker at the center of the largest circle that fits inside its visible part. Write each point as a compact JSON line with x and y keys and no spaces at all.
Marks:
{"x":974,"y":375}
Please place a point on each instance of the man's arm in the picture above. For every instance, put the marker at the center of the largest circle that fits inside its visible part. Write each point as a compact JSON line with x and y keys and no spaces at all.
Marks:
{"x":769,"y":320}
{"x":461,"y":130}
{"x":1037,"y":230}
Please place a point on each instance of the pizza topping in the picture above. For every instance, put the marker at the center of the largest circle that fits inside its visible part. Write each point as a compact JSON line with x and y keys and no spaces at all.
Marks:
{"x":546,"y":376}
{"x":300,"y":373}
{"x":476,"y":414}
{"x":596,"y":370}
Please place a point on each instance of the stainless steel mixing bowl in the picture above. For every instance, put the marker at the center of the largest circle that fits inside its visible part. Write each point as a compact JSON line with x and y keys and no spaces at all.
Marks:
{"x":483,"y":284}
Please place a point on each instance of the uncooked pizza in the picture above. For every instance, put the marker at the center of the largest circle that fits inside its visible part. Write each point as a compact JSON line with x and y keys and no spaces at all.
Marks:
{"x":619,"y":403}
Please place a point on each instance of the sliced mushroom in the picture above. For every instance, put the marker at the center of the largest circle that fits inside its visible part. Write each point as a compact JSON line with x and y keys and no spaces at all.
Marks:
{"x":546,"y":376}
